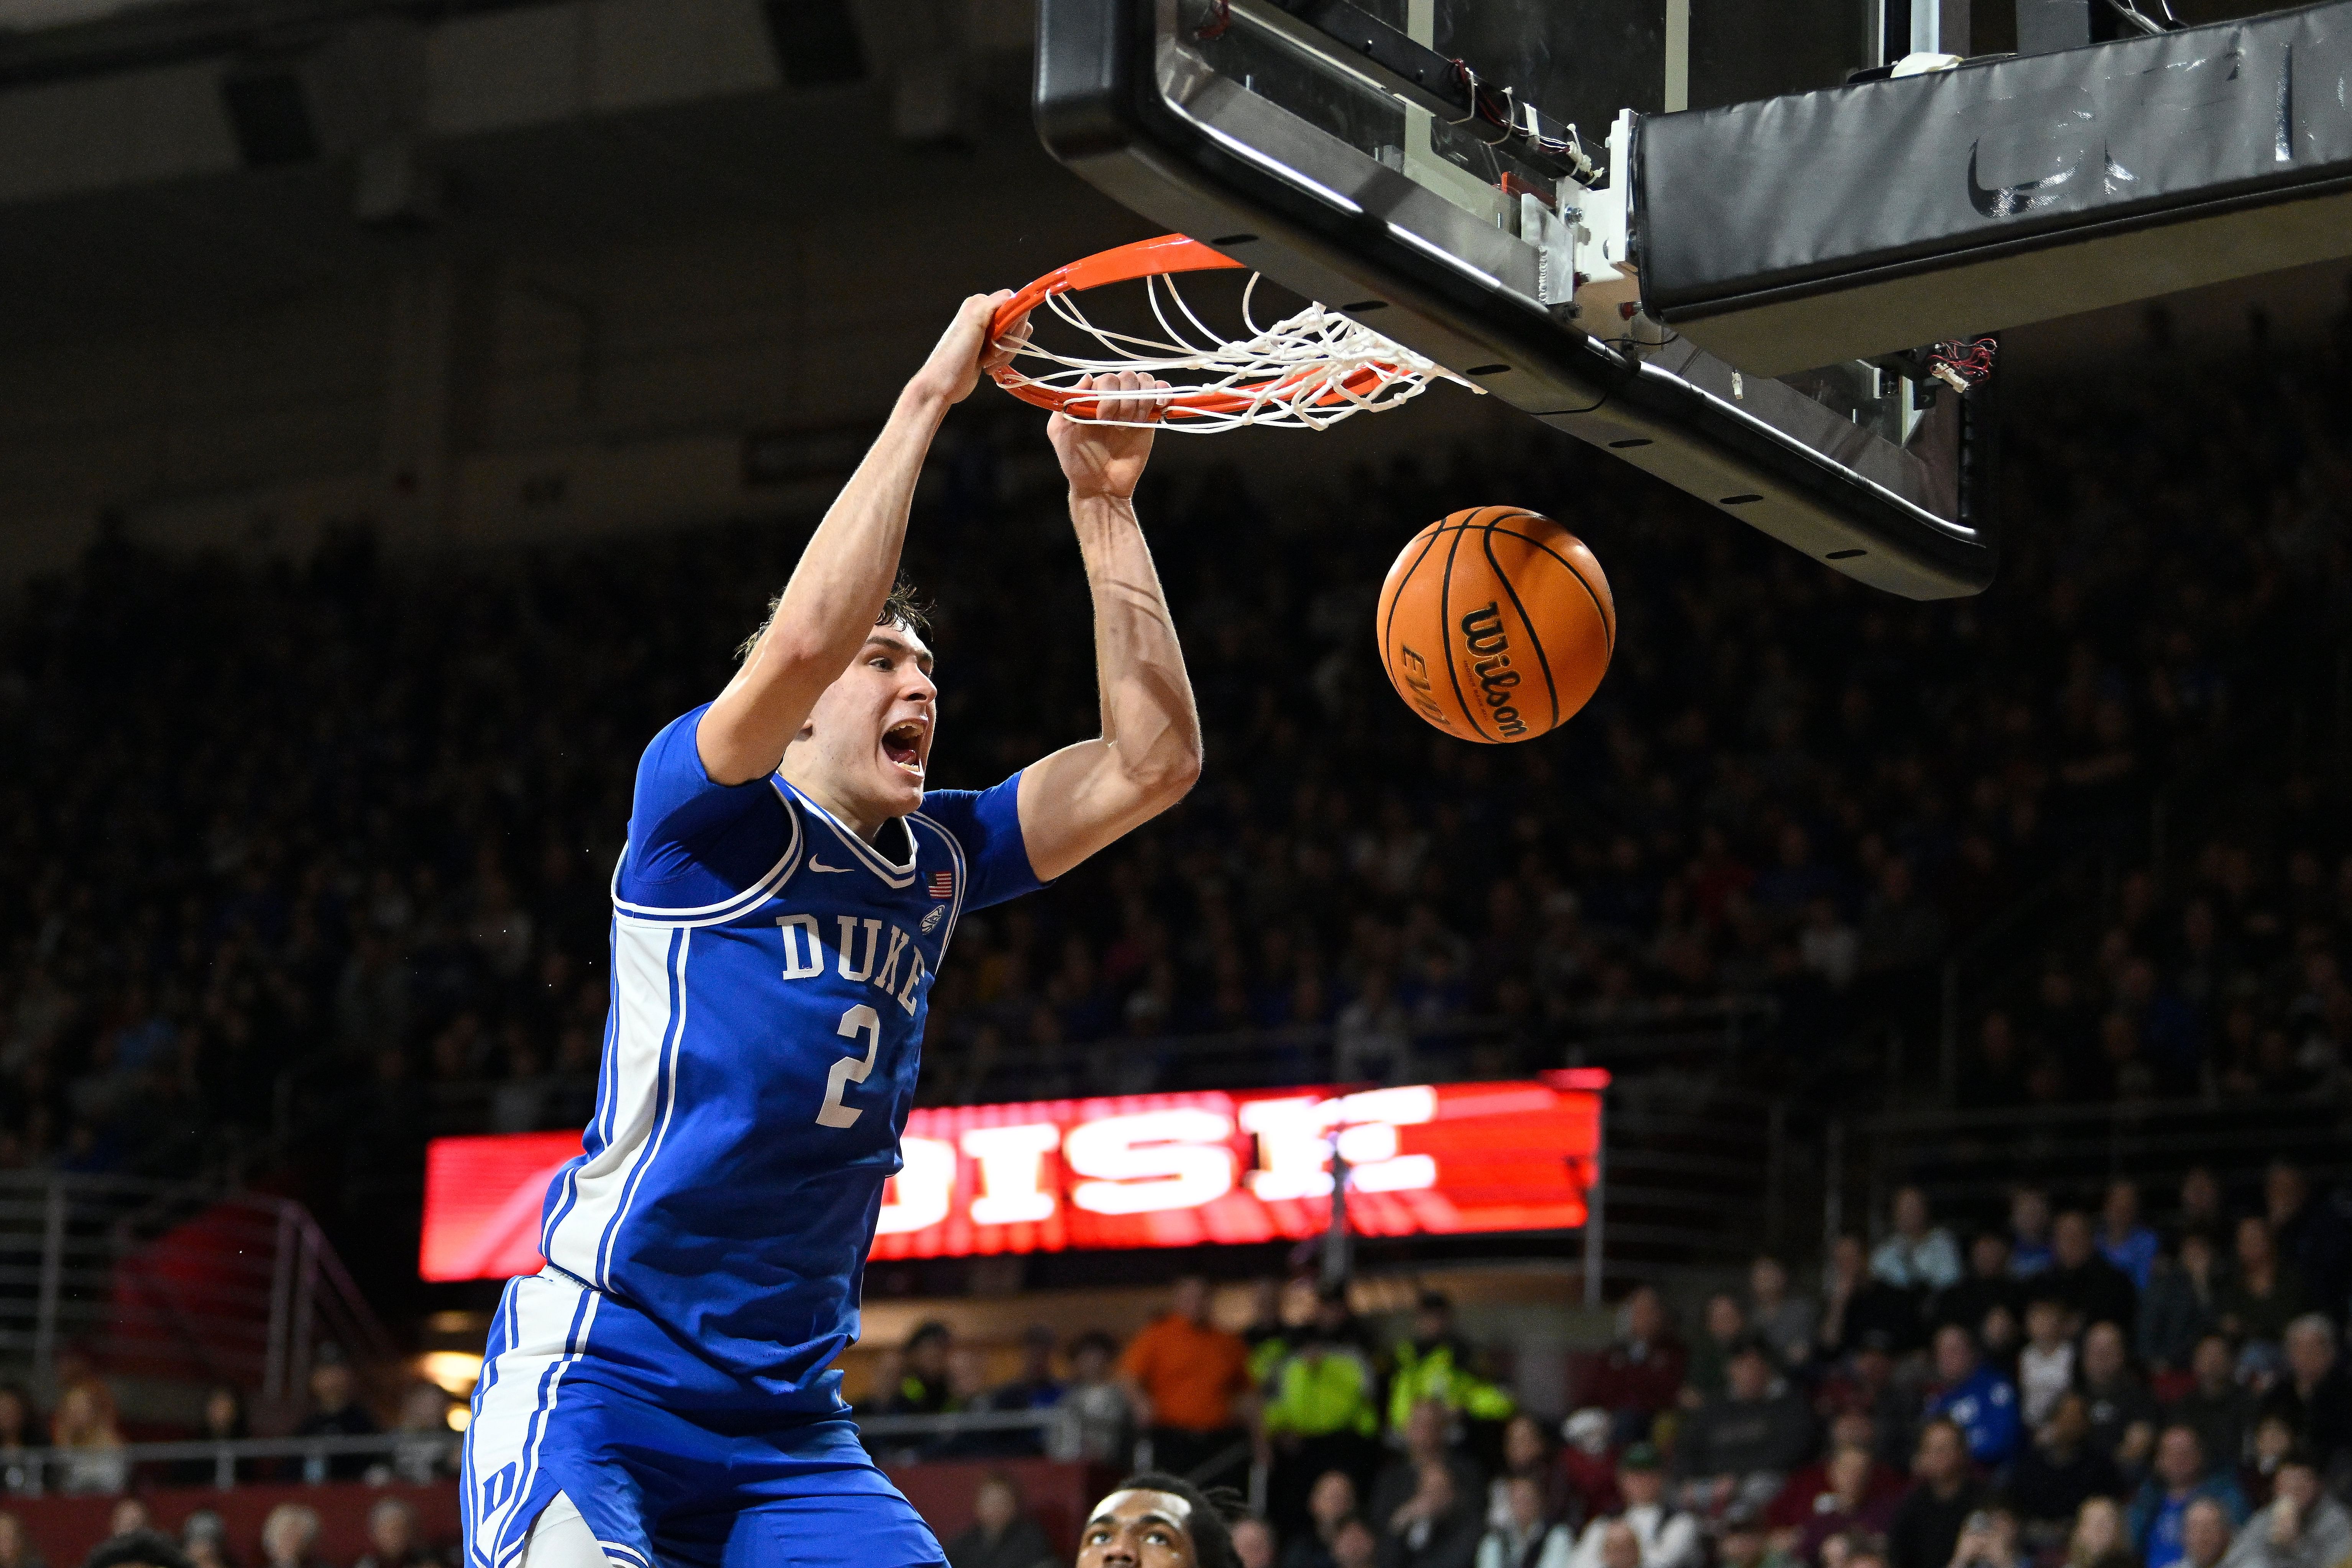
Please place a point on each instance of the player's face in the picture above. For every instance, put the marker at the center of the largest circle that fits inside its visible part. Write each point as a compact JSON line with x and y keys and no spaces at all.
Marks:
{"x":1138,"y":1530}
{"x":872,"y":729}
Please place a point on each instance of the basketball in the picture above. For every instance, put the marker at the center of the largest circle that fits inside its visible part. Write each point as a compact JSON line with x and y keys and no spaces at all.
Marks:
{"x":1496,"y":624}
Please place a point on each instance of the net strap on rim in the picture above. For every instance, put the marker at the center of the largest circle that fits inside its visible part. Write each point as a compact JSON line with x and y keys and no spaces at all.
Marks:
{"x":1306,"y":372}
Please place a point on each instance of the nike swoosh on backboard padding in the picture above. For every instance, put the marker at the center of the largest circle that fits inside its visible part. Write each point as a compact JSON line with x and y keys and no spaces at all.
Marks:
{"x":816,"y":865}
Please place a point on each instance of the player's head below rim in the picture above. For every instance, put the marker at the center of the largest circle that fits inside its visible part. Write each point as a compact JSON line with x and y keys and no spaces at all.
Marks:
{"x":1155,"y":1521}
{"x":868,"y":737}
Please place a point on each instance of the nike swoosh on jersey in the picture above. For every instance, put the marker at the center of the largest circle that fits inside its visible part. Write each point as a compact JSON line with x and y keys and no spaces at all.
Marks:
{"x":816,"y":865}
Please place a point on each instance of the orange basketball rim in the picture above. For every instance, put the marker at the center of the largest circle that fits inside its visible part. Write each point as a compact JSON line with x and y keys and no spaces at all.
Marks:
{"x":1307,"y":370}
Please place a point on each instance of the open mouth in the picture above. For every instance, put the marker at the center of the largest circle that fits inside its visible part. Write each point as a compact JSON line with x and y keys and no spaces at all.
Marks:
{"x":903,"y":745}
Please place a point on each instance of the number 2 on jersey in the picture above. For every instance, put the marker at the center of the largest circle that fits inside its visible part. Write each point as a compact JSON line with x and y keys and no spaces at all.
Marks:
{"x":850,"y":1069}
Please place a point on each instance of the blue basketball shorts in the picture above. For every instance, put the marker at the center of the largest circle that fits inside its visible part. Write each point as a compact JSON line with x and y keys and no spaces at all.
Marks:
{"x":554,"y":1413}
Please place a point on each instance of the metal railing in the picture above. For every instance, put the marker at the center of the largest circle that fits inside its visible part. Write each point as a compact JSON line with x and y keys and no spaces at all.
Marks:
{"x":174,"y":1280}
{"x":1966,"y":1162}
{"x":1696,"y":1034}
{"x":412,"y":1456}
{"x":406,"y":1455}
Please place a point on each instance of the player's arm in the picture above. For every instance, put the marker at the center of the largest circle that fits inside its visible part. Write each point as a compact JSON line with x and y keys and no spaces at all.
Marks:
{"x":845,"y":572}
{"x":1148,"y":757}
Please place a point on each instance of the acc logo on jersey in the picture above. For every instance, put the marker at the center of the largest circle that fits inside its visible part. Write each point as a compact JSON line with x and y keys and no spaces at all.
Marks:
{"x":932,"y":920}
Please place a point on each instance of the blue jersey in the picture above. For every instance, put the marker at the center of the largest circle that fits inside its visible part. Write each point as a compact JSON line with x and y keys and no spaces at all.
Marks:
{"x":770,"y":975}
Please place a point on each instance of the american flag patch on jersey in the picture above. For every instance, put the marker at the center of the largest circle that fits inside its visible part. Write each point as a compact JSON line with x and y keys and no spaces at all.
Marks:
{"x":943,"y":884}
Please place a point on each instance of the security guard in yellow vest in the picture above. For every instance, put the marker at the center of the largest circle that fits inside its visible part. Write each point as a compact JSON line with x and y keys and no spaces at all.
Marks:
{"x":1438,"y":1364}
{"x":1322,"y":1412}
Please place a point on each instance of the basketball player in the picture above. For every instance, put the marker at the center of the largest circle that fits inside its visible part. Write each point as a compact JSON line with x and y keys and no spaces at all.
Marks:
{"x":1158,"y":1522}
{"x":661,"y":1391}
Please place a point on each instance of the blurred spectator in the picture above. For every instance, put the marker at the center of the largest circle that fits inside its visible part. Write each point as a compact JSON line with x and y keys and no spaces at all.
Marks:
{"x":2099,"y":1538}
{"x":83,"y":1425}
{"x":1035,"y":1387}
{"x":2315,"y":1396}
{"x":1861,"y":1307}
{"x":1001,"y":1534}
{"x":1642,"y":1372}
{"x":224,"y":1422}
{"x":1588,"y":1464}
{"x":1371,"y":1039}
{"x":1784,"y":1321}
{"x":422,"y":1451}
{"x":15,"y":1428}
{"x":2312,"y":1235}
{"x":2124,"y":1413}
{"x":395,"y":1540}
{"x":1737,"y":1451}
{"x":289,"y":1536}
{"x":1438,"y":1364}
{"x":1426,"y":1439}
{"x":2273,"y":1444}
{"x":1252,"y":1542}
{"x":335,"y":1412}
{"x":1744,"y":1546}
{"x":1526,"y":1452}
{"x":922,"y":1387}
{"x":1975,"y":1397}
{"x":1183,"y":1378}
{"x":1851,"y":1499}
{"x":1990,"y":1539}
{"x":1918,"y":1257}
{"x":128,"y":1517}
{"x":2045,"y":1366}
{"x":1926,"y":1525}
{"x":2221,"y":1408}
{"x":1864,"y":1386}
{"x":1267,"y":1336}
{"x":2301,"y":1527}
{"x":1987,"y":1287}
{"x":2123,"y":1240}
{"x":204,"y":1536}
{"x":2063,"y":1466}
{"x":1812,"y":1491}
{"x":16,"y":1548}
{"x":2264,"y":1293}
{"x":1660,"y":1535}
{"x":2205,"y":1534}
{"x":1330,"y":1503}
{"x":1321,"y":1412}
{"x":1091,"y":1420}
{"x":1440,"y":1521}
{"x":2177,"y":1309}
{"x":2094,"y":1289}
{"x":2201,"y":1211}
{"x":140,"y":1549}
{"x":2156,"y":1523}
{"x":1722,"y":1325}
{"x":2028,"y":1232}
{"x":1355,"y":1545}
{"x":1527,"y":1536}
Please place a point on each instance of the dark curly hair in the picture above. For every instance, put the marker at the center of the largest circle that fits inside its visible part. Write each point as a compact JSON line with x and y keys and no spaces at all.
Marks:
{"x":905,"y":607}
{"x":1213,"y":1514}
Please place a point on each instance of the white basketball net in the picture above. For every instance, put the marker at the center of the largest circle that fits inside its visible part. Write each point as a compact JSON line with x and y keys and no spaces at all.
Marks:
{"x":1306,"y":372}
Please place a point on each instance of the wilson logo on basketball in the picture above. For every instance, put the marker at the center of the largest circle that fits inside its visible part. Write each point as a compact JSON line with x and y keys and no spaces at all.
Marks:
{"x":1496,"y":624}
{"x":1490,"y":655}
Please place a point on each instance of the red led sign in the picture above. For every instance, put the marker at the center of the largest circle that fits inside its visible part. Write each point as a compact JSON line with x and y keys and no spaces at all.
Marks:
{"x":1151,"y":1170}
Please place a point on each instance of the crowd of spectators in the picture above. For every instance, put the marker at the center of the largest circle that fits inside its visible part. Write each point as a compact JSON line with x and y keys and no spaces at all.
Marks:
{"x":2067,"y":1385}
{"x":335,"y":833}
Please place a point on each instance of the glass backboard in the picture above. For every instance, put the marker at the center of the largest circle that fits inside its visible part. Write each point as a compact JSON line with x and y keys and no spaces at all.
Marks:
{"x":1455,"y":173}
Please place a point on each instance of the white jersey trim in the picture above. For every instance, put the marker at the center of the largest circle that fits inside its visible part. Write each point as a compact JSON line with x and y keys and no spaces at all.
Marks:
{"x":896,"y":877}
{"x":769,"y":884}
{"x":649,"y":1027}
